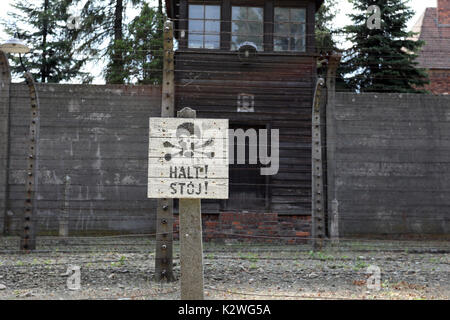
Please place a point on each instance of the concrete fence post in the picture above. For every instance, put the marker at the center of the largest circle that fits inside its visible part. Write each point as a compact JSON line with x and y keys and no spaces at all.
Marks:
{"x":317,"y":181}
{"x":64,"y":217}
{"x":333,"y":223}
{"x":5,"y":82}
{"x":164,"y":212}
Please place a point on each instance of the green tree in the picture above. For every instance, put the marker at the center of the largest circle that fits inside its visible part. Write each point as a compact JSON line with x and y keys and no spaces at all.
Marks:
{"x":382,"y":59}
{"x":144,"y":42}
{"x":325,"y":28}
{"x":103,"y":35}
{"x":43,"y":26}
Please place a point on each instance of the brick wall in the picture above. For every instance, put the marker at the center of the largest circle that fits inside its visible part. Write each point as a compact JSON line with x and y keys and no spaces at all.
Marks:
{"x":253,"y":227}
{"x":439,"y":81}
{"x":444,"y":12}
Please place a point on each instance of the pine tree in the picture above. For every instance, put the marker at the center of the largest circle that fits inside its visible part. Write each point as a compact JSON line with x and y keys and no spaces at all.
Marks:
{"x":144,"y":41}
{"x":103,"y":25}
{"x":43,"y":26}
{"x":325,"y":29}
{"x":383,"y":60}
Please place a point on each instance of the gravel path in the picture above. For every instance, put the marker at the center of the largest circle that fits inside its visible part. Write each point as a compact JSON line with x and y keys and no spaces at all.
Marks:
{"x":123,"y":268}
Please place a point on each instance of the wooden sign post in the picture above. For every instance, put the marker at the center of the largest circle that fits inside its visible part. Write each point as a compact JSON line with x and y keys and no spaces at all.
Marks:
{"x":188,"y":160}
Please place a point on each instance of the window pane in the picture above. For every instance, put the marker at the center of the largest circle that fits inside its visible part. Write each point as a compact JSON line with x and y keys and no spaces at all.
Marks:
{"x":281,"y":14}
{"x":239,"y":13}
{"x":204,"y":33}
{"x":281,"y":44}
{"x":212,"y":12}
{"x":255,"y":14}
{"x":240,"y":28}
{"x":196,"y":25}
{"x":290,"y":34}
{"x":234,"y":43}
{"x":212,"y":27}
{"x":282,"y":29}
{"x":255,"y":28}
{"x":195,"y":40}
{"x":247,"y":26}
{"x":299,"y":44}
{"x":196,"y":11}
{"x":235,"y":27}
{"x":298,"y":15}
{"x":297,"y":29}
{"x":212,"y":41}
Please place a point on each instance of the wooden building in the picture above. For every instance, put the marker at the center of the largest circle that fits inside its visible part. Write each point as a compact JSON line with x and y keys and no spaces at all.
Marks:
{"x":254,"y":63}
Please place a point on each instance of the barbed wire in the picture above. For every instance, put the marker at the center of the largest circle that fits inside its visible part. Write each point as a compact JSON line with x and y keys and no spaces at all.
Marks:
{"x":254,"y":294}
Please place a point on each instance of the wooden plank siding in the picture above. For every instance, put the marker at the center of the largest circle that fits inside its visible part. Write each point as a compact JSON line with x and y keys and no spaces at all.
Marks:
{"x":282,"y":85}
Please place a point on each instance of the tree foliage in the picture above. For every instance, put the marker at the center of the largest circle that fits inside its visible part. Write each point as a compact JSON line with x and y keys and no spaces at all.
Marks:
{"x":325,"y":28}
{"x":105,"y":35}
{"x":144,"y":43}
{"x":43,"y":26}
{"x":382,"y":60}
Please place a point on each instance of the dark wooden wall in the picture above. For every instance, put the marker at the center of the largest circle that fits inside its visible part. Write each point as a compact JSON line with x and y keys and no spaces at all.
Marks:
{"x":210,"y":82}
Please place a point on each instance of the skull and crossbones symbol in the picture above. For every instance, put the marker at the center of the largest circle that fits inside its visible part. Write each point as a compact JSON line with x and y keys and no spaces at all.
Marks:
{"x":188,"y":137}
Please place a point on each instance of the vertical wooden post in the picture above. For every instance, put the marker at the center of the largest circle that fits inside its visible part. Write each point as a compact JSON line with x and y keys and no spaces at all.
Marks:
{"x":164,"y":211}
{"x":28,"y":237}
{"x":191,"y":245}
{"x":191,"y":249}
{"x":317,"y":185}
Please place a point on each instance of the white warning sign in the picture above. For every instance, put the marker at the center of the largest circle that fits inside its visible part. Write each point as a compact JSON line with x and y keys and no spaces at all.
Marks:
{"x":188,"y":158}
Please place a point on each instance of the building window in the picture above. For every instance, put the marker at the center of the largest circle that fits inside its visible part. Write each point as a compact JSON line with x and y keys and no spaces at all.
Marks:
{"x":247,"y":26}
{"x":204,"y":26}
{"x":290,"y":29}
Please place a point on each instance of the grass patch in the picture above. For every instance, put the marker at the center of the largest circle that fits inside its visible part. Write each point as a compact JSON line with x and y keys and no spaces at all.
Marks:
{"x":250,"y":256}
{"x":119,"y":263}
{"x":319,"y":255}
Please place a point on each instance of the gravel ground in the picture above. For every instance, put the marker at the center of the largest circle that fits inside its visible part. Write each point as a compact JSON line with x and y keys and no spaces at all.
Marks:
{"x":123,"y":268}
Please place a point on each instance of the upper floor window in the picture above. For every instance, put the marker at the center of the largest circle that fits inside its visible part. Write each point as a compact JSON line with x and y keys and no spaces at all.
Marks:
{"x":247,"y":25}
{"x":289,"y":29}
{"x":204,"y":26}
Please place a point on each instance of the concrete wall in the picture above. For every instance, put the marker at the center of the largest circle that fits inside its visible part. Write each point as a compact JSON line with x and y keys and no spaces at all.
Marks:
{"x":388,"y":159}
{"x":391,"y":155}
{"x":96,"y":135}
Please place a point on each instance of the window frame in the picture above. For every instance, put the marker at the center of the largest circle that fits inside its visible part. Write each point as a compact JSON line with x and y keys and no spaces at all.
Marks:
{"x":289,"y":24}
{"x":247,"y":21}
{"x":204,"y":21}
{"x":268,"y":20}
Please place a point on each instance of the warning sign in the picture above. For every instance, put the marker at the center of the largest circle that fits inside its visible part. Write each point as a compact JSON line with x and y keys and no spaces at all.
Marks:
{"x":188,"y":158}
